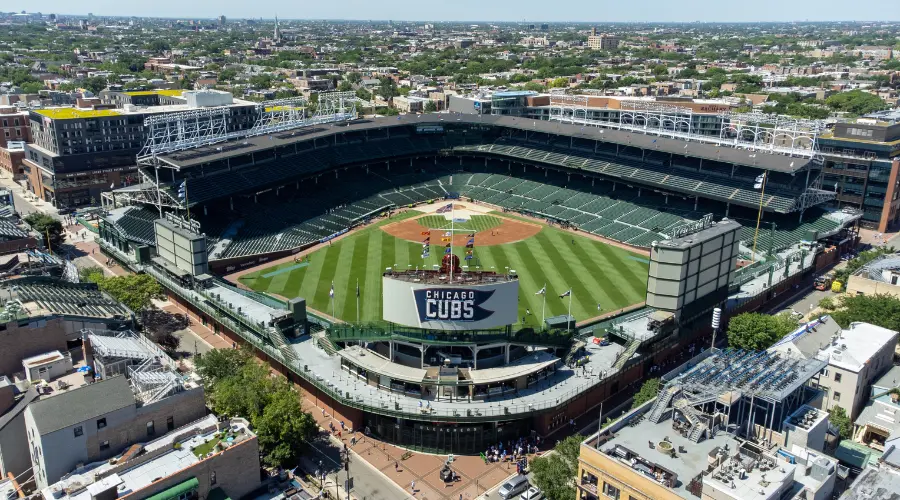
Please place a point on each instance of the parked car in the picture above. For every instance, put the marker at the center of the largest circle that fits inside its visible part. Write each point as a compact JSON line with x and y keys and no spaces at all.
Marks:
{"x":533,"y":493}
{"x":513,"y":487}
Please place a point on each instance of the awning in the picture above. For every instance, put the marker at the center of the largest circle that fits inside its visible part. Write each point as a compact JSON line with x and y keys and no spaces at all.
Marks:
{"x":217,"y":494}
{"x":177,"y":490}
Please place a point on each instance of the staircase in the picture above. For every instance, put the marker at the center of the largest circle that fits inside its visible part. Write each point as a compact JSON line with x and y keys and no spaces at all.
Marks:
{"x":281,"y":343}
{"x":630,"y":348}
{"x":323,"y":341}
{"x":662,"y":403}
{"x":697,"y":432}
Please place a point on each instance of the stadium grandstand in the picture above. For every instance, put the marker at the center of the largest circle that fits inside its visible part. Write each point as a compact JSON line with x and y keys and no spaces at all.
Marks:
{"x":295,"y":188}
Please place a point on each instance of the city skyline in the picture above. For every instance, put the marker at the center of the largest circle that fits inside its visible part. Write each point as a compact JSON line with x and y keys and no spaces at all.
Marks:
{"x":527,"y":10}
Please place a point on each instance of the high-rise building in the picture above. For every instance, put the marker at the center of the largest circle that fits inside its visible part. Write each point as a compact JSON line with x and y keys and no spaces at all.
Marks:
{"x":221,"y":21}
{"x":602,"y":41}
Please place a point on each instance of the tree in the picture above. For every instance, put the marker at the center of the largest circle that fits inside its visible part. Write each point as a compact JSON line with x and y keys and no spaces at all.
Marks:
{"x":135,"y":290}
{"x":649,"y":390}
{"x":218,"y":364}
{"x":534,"y":86}
{"x":560,"y":82}
{"x":363,"y":94}
{"x":47,"y":227}
{"x":284,"y":428}
{"x":161,"y":326}
{"x":345,"y":87}
{"x":555,"y":474}
{"x":430,"y":107}
{"x":755,"y":331}
{"x":827,"y":304}
{"x":354,"y":77}
{"x":855,"y":102}
{"x":244,"y":394}
{"x":95,"y":84}
{"x":89,"y":274}
{"x":838,"y":417}
{"x":880,"y":309}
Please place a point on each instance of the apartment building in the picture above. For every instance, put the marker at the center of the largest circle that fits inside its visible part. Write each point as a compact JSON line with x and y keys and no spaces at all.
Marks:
{"x":856,"y":356}
{"x":176,"y":465}
{"x":97,"y":421}
{"x":14,"y":126}
{"x":602,"y":41}
{"x":881,"y":276}
{"x":862,"y":167}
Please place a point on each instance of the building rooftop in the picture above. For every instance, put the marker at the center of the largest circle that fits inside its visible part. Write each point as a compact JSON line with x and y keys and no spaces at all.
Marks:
{"x":857,"y":345}
{"x":157,"y":459}
{"x":165,"y":92}
{"x":72,"y":113}
{"x":875,"y":484}
{"x":81,"y":404}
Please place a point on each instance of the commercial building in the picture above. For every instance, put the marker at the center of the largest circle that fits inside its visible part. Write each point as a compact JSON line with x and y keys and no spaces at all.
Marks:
{"x":96,"y":422}
{"x":14,"y":126}
{"x":879,"y":421}
{"x":856,"y":356}
{"x":881,"y":276}
{"x":11,"y":158}
{"x":602,"y":41}
{"x":727,"y":425}
{"x":80,"y":152}
{"x":203,"y":459}
{"x":862,"y":163}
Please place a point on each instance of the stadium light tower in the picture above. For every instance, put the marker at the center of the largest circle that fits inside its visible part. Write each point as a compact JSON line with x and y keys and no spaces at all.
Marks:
{"x":716,"y":322}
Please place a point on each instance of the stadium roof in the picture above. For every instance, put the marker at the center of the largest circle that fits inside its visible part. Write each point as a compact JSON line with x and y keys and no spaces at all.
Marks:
{"x":723,"y":153}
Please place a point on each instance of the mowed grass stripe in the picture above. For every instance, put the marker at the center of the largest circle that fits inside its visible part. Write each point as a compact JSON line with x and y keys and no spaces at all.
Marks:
{"x":580,"y":293}
{"x":626,"y":269}
{"x":593,"y":279}
{"x":370,"y":289}
{"x":541,"y":264}
{"x":356,"y":274}
{"x":342,"y":273}
{"x":326,"y":277}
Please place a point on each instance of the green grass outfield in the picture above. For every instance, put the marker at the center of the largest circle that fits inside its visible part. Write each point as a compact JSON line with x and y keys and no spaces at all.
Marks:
{"x":597,"y":273}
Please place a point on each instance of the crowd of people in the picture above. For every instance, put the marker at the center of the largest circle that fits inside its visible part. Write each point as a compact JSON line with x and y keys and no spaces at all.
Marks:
{"x":512,"y":451}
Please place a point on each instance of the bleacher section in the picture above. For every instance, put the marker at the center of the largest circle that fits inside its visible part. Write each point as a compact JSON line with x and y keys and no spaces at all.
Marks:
{"x":68,"y":299}
{"x":682,"y":179}
{"x":788,"y":230}
{"x":136,"y":223}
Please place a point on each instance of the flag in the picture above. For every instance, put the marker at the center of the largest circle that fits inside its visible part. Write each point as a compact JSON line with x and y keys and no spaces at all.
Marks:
{"x":460,"y":221}
{"x":357,"y":288}
{"x":446,"y":208}
{"x":448,"y":245}
{"x":654,"y":141}
{"x":472,"y":235}
{"x":471,"y":241}
{"x":445,"y":239}
{"x":469,"y":257}
{"x":447,"y":250}
{"x":448,"y":233}
{"x":566,"y":293}
{"x":331,"y":292}
{"x":426,"y":233}
{"x":470,"y":244}
{"x":425,"y":246}
{"x":112,"y":185}
{"x":182,"y":190}
{"x":425,"y":254}
{"x":427,"y":240}
{"x":542,"y":291}
{"x":759,"y":181}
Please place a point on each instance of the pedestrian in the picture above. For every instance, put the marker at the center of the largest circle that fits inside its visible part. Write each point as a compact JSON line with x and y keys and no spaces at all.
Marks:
{"x":412,"y":486}
{"x":396,"y":466}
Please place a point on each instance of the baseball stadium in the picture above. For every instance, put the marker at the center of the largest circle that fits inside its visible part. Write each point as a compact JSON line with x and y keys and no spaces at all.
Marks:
{"x":446,"y":281}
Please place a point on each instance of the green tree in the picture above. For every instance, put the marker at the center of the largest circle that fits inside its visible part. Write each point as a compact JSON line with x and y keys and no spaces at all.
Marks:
{"x":880,"y":309}
{"x":244,"y":394}
{"x":839,"y":418}
{"x":134,"y":290}
{"x":284,"y":428}
{"x":827,"y":304}
{"x":755,"y":331}
{"x":47,"y":227}
{"x":534,"y":86}
{"x":88,"y":274}
{"x":354,"y":77}
{"x":555,"y":474}
{"x":430,"y":107}
{"x":559,"y":83}
{"x":855,"y":102}
{"x":95,"y":84}
{"x":363,"y":94}
{"x":345,"y":87}
{"x":649,"y":390}
{"x":219,"y":364}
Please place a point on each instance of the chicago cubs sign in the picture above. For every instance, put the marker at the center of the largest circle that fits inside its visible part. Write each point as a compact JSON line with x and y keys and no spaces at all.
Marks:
{"x":453,"y":304}
{"x":450,"y":307}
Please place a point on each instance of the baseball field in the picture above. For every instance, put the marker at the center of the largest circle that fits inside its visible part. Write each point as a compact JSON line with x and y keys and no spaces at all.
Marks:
{"x":602,"y":277}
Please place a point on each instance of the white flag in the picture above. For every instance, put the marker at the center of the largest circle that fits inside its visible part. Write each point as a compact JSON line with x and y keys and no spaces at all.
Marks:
{"x":542,"y":291}
{"x":331,"y":292}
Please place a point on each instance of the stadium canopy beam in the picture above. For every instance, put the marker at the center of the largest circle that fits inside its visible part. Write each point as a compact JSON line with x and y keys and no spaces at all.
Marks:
{"x":756,"y":132}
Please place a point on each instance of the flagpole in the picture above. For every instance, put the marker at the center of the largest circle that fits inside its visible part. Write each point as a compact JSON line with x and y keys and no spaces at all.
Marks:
{"x":544,"y":307}
{"x":451,"y":241}
{"x":759,"y":216}
{"x":570,"y":306}
{"x":357,"y":301}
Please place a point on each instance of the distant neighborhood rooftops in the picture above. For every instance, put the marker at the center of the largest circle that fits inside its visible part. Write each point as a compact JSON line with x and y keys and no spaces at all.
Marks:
{"x":165,"y":92}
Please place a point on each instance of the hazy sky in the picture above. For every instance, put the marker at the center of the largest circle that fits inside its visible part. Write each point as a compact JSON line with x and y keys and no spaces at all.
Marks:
{"x":496,"y":10}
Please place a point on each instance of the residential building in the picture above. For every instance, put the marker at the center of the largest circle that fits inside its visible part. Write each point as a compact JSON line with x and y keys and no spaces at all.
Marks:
{"x":410,"y":104}
{"x":14,"y":456}
{"x":862,"y":167}
{"x":14,"y":126}
{"x":192,"y":461}
{"x":602,"y":41}
{"x":722,"y":441}
{"x":11,"y":158}
{"x":96,"y":422}
{"x":881,"y":276}
{"x":879,"y":422}
{"x":856,"y":356}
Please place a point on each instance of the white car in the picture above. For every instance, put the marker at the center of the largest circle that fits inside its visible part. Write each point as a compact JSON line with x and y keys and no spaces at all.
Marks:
{"x":533,"y":493}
